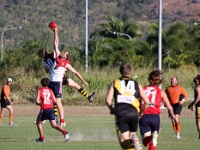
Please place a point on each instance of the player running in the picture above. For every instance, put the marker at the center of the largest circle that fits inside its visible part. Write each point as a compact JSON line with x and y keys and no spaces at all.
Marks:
{"x":126,"y":93}
{"x":45,"y":98}
{"x":150,"y":120}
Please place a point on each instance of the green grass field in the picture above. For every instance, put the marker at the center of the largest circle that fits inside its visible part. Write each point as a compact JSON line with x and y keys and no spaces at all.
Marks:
{"x":89,"y":132}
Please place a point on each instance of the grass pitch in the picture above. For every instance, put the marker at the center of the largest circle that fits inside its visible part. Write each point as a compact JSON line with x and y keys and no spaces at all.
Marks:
{"x":95,"y":132}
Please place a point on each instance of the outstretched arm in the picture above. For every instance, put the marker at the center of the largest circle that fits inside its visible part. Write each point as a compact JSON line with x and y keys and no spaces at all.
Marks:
{"x":56,"y":43}
{"x":69,"y":67}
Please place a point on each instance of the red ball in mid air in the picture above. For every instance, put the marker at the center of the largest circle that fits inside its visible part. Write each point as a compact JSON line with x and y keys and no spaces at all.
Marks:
{"x":52,"y":25}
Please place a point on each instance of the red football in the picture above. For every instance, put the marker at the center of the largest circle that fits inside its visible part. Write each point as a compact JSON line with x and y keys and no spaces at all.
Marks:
{"x":52,"y":25}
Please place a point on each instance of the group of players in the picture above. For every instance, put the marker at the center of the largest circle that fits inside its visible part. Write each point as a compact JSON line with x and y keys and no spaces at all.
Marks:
{"x":133,"y":104}
{"x":136,"y":105}
{"x":49,"y":95}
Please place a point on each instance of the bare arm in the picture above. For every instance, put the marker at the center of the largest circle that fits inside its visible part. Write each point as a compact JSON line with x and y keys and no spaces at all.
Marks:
{"x":38,"y":98}
{"x":145,"y":99}
{"x":181,"y":102}
{"x":69,"y":67}
{"x":198,"y":95}
{"x":56,"y":43}
{"x":167,"y":104}
{"x":109,"y":98}
{"x":192,"y":105}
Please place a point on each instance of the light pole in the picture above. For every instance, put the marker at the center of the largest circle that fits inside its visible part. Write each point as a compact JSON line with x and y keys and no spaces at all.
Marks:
{"x":196,"y":23}
{"x":2,"y":38}
{"x":86,"y":36}
{"x":121,"y":34}
{"x":160,"y":37}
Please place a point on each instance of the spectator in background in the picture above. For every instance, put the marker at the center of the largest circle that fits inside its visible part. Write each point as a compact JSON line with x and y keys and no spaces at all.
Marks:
{"x":177,"y":96}
{"x":6,"y":102}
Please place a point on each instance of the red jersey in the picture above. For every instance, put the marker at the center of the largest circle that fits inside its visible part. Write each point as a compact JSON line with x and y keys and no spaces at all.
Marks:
{"x":61,"y":62}
{"x":46,"y":98}
{"x":154,"y":95}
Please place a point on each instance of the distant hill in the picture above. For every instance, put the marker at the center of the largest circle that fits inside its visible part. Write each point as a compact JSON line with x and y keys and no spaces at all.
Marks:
{"x":35,"y":15}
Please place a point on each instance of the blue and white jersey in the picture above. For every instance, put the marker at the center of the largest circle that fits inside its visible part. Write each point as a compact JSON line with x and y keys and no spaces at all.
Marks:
{"x":48,"y":63}
{"x":57,"y":71}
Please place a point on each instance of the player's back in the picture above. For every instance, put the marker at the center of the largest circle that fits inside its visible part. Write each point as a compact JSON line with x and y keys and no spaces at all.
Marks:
{"x":155,"y":97}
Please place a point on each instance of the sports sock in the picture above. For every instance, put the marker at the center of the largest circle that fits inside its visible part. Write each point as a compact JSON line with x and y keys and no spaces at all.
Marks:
{"x":127,"y":144}
{"x":42,"y":137}
{"x":174,"y":127}
{"x":178,"y":127}
{"x":151,"y":147}
{"x":55,"y":108}
{"x":147,"y":140}
{"x":10,"y":118}
{"x":62,"y":120}
{"x":83,"y":92}
{"x":1,"y":119}
{"x":64,"y":132}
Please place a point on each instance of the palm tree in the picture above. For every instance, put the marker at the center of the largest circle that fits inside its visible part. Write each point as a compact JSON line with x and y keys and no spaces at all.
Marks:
{"x":109,"y":48}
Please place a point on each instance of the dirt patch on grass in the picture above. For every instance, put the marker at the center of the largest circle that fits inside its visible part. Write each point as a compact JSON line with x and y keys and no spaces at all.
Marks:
{"x":32,"y":110}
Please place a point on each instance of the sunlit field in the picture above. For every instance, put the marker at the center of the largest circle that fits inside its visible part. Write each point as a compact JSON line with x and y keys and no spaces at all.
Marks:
{"x":90,"y":128}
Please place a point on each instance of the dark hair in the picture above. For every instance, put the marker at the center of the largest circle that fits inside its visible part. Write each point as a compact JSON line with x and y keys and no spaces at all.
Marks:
{"x":42,"y":52}
{"x":196,"y":78}
{"x":155,"y":77}
{"x":125,"y":68}
{"x":45,"y":82}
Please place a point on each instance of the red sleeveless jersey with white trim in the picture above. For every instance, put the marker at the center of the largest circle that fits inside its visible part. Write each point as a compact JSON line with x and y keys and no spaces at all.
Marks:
{"x":155,"y":97}
{"x":46,"y":98}
{"x":61,"y":62}
{"x":58,"y":70}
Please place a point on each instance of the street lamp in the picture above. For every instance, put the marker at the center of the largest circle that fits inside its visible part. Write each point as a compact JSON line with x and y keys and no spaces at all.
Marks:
{"x":118,"y":33}
{"x":2,"y":38}
{"x":196,"y":23}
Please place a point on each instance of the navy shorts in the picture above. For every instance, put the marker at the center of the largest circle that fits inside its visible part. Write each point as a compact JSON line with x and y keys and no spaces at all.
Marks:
{"x":47,"y":114}
{"x":4,"y":103}
{"x":56,"y":87}
{"x":149,"y":122}
{"x":126,"y":123}
{"x":177,"y":108}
